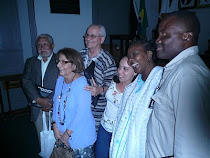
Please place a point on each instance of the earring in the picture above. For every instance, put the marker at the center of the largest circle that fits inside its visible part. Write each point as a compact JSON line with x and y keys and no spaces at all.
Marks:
{"x":149,"y":59}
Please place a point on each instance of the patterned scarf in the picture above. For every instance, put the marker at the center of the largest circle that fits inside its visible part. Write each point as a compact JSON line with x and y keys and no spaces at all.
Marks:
{"x":129,"y":136}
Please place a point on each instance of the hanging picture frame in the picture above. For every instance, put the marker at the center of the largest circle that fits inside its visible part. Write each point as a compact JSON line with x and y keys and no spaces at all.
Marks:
{"x":203,"y":3}
{"x":187,"y":4}
{"x":65,"y":6}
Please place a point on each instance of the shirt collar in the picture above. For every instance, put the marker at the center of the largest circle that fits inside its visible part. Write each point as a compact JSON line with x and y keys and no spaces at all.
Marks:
{"x":48,"y":58}
{"x":184,"y":54}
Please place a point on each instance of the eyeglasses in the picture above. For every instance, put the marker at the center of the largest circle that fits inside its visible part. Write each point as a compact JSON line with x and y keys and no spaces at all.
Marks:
{"x":45,"y":45}
{"x":151,"y":104}
{"x":91,"y":36}
{"x":62,"y":62}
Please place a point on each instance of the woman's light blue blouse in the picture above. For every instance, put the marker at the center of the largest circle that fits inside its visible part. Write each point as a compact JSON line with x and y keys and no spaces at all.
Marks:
{"x":79,"y":118}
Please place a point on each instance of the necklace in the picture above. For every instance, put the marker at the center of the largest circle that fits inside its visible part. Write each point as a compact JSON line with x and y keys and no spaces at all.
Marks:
{"x":65,"y":101}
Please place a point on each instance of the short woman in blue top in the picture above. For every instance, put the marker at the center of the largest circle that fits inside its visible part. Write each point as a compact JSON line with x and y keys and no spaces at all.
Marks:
{"x":73,"y":122}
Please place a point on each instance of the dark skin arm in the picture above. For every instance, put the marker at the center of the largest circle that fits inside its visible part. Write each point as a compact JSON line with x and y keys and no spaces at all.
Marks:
{"x":45,"y":103}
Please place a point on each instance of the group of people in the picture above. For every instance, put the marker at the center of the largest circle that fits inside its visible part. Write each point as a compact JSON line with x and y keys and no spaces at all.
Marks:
{"x":136,"y":110}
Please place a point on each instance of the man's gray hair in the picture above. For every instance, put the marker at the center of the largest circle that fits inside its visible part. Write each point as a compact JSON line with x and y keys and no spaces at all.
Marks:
{"x":45,"y":36}
{"x":102,"y":29}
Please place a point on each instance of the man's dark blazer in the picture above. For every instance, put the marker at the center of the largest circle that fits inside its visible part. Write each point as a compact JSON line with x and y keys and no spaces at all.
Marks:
{"x":32,"y":77}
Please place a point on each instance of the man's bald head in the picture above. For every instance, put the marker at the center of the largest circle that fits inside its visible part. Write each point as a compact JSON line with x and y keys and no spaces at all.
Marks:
{"x":188,"y":21}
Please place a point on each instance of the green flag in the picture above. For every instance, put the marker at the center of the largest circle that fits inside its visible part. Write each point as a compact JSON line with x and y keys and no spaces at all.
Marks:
{"x":142,"y":20}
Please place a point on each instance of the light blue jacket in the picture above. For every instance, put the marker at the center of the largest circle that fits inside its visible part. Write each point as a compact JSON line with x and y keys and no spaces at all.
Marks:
{"x":78,"y":115}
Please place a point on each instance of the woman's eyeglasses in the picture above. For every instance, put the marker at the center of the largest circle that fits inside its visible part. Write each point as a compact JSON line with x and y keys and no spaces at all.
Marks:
{"x":62,"y":62}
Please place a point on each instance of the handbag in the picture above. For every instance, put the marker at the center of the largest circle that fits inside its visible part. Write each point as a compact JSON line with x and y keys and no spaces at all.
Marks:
{"x":47,"y":138}
{"x":89,"y":74}
{"x":61,"y":150}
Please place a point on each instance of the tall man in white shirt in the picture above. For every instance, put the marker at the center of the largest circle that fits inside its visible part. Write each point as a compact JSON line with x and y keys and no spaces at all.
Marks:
{"x":39,"y":79}
{"x":179,"y":125}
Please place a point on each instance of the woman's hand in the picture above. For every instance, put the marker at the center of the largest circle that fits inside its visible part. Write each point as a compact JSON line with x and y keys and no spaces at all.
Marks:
{"x":66,"y":136}
{"x":57,"y":133}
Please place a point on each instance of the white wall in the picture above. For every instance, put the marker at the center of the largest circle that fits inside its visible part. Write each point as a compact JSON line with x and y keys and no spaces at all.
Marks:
{"x":67,"y":30}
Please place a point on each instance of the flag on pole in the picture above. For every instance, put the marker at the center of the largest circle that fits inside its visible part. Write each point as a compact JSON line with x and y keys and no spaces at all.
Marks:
{"x":142,"y":20}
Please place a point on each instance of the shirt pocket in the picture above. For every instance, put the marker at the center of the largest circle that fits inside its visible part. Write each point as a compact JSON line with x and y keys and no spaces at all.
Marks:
{"x":162,"y":107}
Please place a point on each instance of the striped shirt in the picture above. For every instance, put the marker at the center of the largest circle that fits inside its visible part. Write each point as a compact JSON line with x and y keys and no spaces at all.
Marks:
{"x":105,"y":69}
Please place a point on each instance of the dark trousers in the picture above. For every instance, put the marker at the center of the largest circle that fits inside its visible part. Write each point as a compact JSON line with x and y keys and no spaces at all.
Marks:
{"x":102,"y":143}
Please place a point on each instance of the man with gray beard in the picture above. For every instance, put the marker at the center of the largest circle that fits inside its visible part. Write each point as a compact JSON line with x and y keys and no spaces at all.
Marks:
{"x":39,"y":79}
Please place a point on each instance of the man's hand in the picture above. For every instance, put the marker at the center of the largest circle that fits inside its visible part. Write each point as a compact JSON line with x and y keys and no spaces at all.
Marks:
{"x":95,"y":89}
{"x":45,"y":103}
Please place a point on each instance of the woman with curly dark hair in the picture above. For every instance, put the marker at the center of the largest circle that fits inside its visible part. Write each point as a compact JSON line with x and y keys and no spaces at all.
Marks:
{"x":129,"y":136}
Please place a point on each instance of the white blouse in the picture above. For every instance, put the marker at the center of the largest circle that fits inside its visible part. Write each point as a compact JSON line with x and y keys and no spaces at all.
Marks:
{"x":113,"y":97}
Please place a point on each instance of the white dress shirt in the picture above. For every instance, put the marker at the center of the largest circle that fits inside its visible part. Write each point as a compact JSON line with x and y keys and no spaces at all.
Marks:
{"x":179,"y":125}
{"x":44,"y":65}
